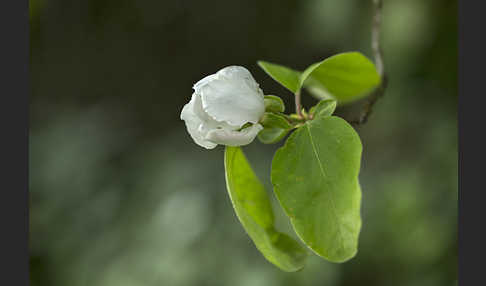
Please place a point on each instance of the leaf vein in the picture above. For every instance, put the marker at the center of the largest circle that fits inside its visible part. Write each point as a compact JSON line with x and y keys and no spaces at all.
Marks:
{"x":324,"y":175}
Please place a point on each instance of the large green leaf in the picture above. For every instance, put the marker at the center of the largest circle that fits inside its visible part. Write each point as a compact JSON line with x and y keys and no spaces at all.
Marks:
{"x":315,"y":178}
{"x":285,"y":76}
{"x":253,"y":208}
{"x":346,"y":77}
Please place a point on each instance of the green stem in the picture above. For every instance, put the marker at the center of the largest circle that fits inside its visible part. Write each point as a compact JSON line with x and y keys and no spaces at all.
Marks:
{"x":298,"y":104}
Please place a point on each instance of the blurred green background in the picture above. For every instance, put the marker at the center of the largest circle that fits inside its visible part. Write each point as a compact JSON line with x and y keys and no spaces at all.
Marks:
{"x":121,"y":195}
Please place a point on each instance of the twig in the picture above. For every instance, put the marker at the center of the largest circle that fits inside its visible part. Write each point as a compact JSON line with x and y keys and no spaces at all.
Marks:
{"x":298,"y":104}
{"x":378,"y":55}
{"x":375,"y":36}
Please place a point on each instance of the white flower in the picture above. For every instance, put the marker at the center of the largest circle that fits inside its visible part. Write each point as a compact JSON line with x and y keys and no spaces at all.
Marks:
{"x":220,"y":105}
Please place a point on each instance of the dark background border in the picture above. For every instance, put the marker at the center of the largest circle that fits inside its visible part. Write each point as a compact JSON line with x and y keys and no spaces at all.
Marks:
{"x":14,"y":118}
{"x":471,"y":144}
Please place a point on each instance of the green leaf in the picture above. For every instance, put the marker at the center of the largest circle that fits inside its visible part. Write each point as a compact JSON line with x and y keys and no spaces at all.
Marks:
{"x":347,"y":77}
{"x":323,"y":108}
{"x":275,"y":127}
{"x":317,"y":90}
{"x":253,"y":208}
{"x":273,"y":104}
{"x":287,"y":77}
{"x":315,"y":178}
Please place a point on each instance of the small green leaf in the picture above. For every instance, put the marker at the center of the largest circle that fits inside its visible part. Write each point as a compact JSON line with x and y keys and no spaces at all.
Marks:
{"x":295,"y":116}
{"x":287,"y":77}
{"x":346,"y":77}
{"x":323,"y":108}
{"x":253,"y":209}
{"x":273,"y":104}
{"x":275,"y":127}
{"x":315,"y":178}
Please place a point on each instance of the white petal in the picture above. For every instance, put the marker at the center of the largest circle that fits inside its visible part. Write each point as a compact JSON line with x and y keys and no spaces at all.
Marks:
{"x":204,"y":81}
{"x":193,"y":123}
{"x":231,"y":95}
{"x":208,"y":122}
{"x":232,"y":137}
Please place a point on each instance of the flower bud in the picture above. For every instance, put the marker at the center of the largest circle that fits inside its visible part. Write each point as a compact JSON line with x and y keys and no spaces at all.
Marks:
{"x":221,"y":105}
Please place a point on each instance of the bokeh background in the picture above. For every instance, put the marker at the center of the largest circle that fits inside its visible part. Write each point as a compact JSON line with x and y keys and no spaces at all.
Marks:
{"x":120,"y":195}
